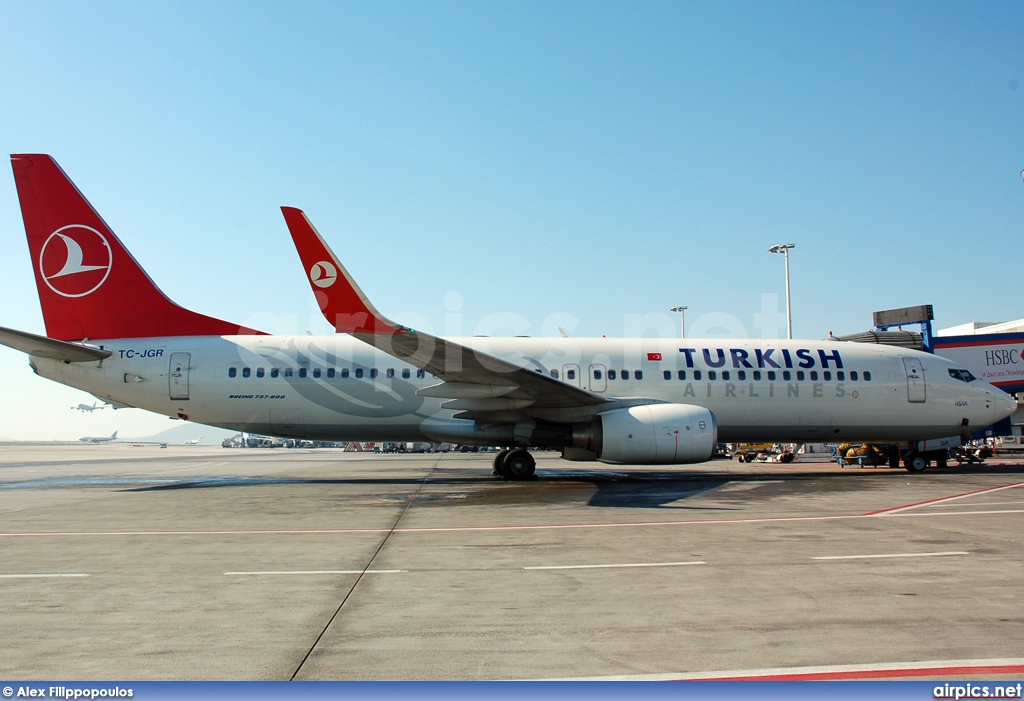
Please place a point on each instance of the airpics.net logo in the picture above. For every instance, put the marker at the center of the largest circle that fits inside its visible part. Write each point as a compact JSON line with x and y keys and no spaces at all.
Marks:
{"x":323,"y":274}
{"x":75,"y":260}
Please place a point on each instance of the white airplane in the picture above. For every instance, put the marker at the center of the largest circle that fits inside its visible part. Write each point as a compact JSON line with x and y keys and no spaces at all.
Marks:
{"x":99,"y":439}
{"x":88,"y":409}
{"x":193,"y":441}
{"x":641,"y":401}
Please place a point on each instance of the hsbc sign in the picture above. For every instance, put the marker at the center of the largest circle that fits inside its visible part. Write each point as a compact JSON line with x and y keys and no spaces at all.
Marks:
{"x":1002,"y":357}
{"x":996,"y":358}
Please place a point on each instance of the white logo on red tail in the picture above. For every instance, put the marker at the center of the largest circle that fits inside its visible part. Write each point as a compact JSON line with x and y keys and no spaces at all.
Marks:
{"x":75,"y":260}
{"x":323,"y":274}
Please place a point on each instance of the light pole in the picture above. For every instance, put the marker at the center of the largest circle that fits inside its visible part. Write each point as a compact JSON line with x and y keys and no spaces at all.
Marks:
{"x":784,"y":248}
{"x":682,"y":311}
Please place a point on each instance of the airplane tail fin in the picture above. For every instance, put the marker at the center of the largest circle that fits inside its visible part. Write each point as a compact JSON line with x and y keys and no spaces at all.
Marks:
{"x":113,"y":435}
{"x":89,"y":285}
{"x":345,"y":306}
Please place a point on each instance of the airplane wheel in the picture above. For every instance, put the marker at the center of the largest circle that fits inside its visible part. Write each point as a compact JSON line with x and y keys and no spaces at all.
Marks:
{"x":498,"y":466}
{"x":915,"y":463}
{"x":518,"y":465}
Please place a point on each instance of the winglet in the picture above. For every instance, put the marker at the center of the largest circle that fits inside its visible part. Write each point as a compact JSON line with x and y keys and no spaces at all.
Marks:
{"x":342,"y":302}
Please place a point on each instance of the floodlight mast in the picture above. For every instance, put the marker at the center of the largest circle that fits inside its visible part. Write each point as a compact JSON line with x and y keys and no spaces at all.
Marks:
{"x":682,"y":311}
{"x":784,"y":249}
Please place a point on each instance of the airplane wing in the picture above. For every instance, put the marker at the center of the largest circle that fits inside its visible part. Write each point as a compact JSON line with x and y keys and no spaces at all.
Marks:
{"x":482,"y":386}
{"x":43,"y":347}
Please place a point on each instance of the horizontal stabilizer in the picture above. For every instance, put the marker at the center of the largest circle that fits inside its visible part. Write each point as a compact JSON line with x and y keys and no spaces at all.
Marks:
{"x":43,"y":347}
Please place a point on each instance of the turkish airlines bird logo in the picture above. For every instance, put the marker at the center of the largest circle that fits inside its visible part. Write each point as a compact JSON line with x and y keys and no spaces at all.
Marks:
{"x":323,"y":274}
{"x":75,"y":260}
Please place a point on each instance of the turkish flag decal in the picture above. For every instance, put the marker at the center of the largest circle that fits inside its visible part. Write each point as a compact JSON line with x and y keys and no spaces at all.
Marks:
{"x":654,"y":356}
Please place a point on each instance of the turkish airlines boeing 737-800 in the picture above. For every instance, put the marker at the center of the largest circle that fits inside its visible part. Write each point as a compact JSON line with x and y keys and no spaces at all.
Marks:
{"x":111,"y":332}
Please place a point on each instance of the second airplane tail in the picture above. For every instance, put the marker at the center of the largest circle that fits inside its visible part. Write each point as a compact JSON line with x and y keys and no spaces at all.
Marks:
{"x":89,"y":285}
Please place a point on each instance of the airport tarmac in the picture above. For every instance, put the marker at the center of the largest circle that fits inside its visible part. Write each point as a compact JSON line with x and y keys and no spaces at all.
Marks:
{"x":190,"y":562}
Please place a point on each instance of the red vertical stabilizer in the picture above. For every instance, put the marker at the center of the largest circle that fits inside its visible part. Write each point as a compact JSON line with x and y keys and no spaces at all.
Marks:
{"x":89,"y":285}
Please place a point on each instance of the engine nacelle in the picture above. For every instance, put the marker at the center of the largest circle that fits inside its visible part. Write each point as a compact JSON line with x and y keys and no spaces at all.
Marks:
{"x":653,"y":434}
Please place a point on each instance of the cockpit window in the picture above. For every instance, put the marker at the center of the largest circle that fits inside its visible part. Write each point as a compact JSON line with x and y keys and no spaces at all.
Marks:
{"x":962,"y":375}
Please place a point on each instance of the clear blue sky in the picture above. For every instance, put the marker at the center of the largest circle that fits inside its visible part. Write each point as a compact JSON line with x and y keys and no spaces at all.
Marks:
{"x":581,"y":164}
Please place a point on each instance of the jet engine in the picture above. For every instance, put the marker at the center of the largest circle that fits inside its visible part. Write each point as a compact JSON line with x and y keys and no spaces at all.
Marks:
{"x":653,"y":434}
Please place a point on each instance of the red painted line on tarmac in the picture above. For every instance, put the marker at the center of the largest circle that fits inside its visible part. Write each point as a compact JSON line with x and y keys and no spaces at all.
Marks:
{"x":439,"y":529}
{"x":905,"y":507}
{"x":540,"y":527}
{"x":862,"y":674}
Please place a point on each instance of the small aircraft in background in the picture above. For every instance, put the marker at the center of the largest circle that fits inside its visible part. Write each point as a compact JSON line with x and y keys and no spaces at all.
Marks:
{"x":194,"y":441}
{"x":99,"y":439}
{"x":89,"y":409}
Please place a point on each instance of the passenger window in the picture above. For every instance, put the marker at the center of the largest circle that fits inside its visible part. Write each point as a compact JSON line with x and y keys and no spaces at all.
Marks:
{"x":316,"y":372}
{"x":696,"y":374}
{"x":406,"y":374}
{"x":741,"y":375}
{"x":611,"y":374}
{"x":344,"y":373}
{"x":359,"y":373}
{"x":840,"y":375}
{"x":667,"y":374}
{"x":246,"y":372}
{"x":639,"y":374}
{"x":725,"y":374}
{"x":867,"y":376}
{"x":787,"y":375}
{"x":853,"y":376}
{"x":827,"y":375}
{"x":302,"y":372}
{"x":771,"y":376}
{"x":233,"y":372}
{"x":330,"y":373}
{"x":712,"y":375}
{"x":757,"y":375}
{"x":554,"y":373}
{"x":421,"y":374}
{"x":800,"y":375}
{"x":682,"y":374}
{"x":570,"y":374}
{"x":814,"y":375}
{"x":274,"y":372}
{"x":625,"y":374}
{"x":373,"y":373}
{"x":390,"y":373}
{"x":260,"y":372}
{"x":597,"y":374}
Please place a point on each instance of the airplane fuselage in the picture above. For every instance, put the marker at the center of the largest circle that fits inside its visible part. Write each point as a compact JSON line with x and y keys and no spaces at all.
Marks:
{"x":338,"y":388}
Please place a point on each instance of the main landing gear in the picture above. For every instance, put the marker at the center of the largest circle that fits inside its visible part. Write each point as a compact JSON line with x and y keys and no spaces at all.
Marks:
{"x":515,"y":465}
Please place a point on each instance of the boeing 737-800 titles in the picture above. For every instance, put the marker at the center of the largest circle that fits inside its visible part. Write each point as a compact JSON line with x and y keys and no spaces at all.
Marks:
{"x":111,"y":332}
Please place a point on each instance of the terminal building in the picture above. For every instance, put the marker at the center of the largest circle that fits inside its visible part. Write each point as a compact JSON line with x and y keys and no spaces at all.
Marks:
{"x":992,"y":351}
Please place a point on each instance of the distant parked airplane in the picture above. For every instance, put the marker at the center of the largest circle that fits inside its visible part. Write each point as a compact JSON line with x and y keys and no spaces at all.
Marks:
{"x":99,"y":439}
{"x":194,"y":441}
{"x":87,"y":408}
